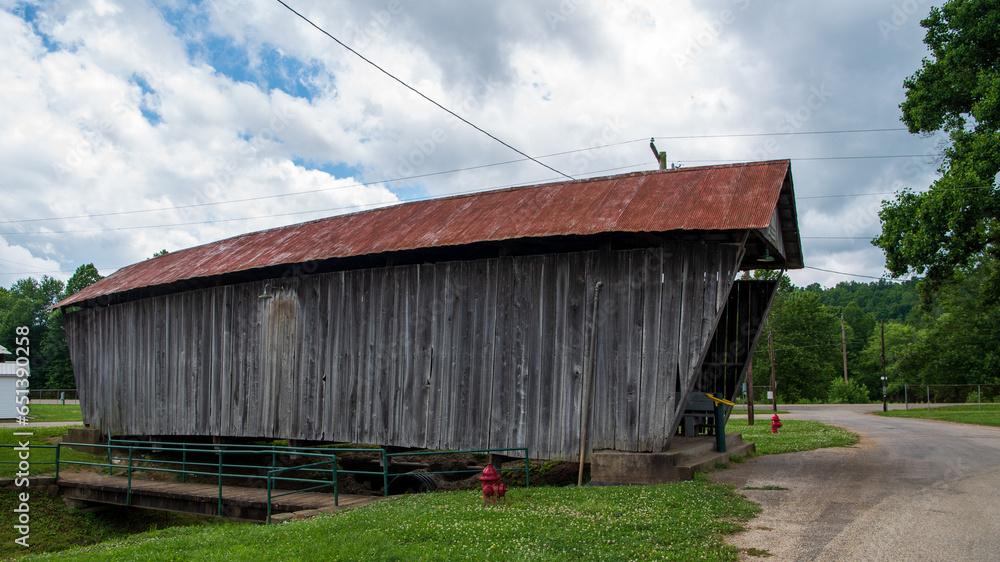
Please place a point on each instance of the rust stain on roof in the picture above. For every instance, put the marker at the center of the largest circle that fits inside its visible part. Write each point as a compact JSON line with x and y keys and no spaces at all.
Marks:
{"x":729,"y":197}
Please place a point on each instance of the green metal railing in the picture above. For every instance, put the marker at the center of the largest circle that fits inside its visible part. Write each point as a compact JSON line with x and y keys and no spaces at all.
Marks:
{"x":129,"y":456}
{"x":220,"y":469}
{"x":523,"y":450}
{"x":34,"y":463}
{"x":272,"y":476}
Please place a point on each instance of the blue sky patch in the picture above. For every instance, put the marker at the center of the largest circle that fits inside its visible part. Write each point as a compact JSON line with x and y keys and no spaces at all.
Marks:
{"x":144,"y":106}
{"x":337,"y":170}
{"x":33,"y":16}
{"x":263,"y":65}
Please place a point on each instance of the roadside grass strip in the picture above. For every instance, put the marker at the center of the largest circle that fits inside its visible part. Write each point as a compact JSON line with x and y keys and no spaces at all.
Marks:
{"x":683,"y":521}
{"x":56,"y":526}
{"x":794,"y":436}
{"x":42,"y":459}
{"x":970,"y":413}
{"x":55,"y":413}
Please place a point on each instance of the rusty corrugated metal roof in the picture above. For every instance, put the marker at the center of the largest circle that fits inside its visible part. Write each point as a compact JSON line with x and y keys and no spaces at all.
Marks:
{"x":729,"y":197}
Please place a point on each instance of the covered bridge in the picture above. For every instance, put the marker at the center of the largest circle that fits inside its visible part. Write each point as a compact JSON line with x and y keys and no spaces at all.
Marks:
{"x":453,"y":323}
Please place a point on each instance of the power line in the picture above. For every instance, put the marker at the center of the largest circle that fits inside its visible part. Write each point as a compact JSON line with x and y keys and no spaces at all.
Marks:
{"x":838,"y":344}
{"x":293,"y":213}
{"x":419,"y":93}
{"x":782,"y":134}
{"x":850,"y":274}
{"x":325,"y":189}
{"x":939,"y":189}
{"x":502,"y":163}
{"x":808,"y":159}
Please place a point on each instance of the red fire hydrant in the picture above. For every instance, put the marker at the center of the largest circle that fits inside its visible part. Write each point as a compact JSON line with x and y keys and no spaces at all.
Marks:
{"x":775,"y":423}
{"x":493,"y":488}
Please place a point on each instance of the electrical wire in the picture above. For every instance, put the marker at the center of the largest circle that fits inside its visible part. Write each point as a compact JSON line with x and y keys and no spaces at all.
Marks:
{"x":782,"y":134}
{"x":481,"y":166}
{"x":366,"y":206}
{"x":326,"y":189}
{"x":421,"y":94}
{"x":853,"y":274}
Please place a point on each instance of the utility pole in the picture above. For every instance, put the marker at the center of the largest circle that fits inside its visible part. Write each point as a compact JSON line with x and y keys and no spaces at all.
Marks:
{"x":843,"y":339}
{"x":885,"y":381}
{"x":774,"y":385}
{"x":750,"y":391}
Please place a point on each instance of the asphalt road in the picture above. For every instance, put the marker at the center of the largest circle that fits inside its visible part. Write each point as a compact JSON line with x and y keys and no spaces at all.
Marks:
{"x":910,"y":490}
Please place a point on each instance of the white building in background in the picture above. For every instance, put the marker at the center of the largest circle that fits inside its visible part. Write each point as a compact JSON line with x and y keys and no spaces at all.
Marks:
{"x":8,"y":385}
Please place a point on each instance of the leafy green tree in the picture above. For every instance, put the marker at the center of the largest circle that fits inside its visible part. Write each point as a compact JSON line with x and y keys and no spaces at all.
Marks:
{"x":24,"y":304}
{"x":54,"y":348}
{"x":850,"y":392}
{"x":806,"y":342}
{"x":955,"y":226}
{"x":885,"y":300}
{"x":84,"y":276}
{"x":960,"y":345}
{"x":899,"y":339}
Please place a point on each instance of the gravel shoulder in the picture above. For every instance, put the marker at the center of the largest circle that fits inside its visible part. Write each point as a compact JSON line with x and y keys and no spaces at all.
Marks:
{"x":909,"y":490}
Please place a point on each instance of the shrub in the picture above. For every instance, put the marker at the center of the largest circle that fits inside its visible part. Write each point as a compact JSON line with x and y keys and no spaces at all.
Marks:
{"x":851,"y":392}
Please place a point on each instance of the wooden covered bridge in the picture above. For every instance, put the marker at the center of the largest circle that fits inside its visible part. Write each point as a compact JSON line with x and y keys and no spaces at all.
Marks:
{"x":456,"y":323}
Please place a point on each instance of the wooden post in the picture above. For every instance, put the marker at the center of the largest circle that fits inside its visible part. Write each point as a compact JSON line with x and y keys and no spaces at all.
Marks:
{"x":749,"y":381}
{"x":885,"y":381}
{"x":589,"y":389}
{"x":843,"y":339}
{"x":774,"y":385}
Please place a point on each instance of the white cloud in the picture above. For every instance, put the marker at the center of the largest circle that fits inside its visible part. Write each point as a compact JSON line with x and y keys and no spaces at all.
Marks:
{"x":113,"y":107}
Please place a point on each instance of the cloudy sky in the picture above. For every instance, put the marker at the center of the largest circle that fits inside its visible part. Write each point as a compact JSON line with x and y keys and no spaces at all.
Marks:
{"x":127,"y":127}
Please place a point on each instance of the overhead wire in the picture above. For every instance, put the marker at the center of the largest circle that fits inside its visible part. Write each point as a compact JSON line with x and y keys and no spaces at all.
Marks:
{"x":854,"y":274}
{"x":366,"y":206}
{"x":419,"y":93}
{"x":481,"y":166}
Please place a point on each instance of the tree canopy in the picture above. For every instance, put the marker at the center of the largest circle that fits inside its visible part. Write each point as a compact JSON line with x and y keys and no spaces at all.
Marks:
{"x":25,"y":304}
{"x":955,"y":226}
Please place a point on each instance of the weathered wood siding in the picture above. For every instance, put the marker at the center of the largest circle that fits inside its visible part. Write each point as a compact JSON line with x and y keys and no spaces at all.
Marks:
{"x":465,"y":354}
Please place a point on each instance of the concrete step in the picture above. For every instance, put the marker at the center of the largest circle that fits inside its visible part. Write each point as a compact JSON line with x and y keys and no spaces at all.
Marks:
{"x":685,"y":457}
{"x":708,"y":461}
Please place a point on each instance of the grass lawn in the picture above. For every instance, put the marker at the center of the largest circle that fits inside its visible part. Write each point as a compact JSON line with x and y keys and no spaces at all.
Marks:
{"x":969,"y":413}
{"x":55,"y":413}
{"x":665,"y":522}
{"x":55,"y":527}
{"x":795,"y":435}
{"x":40,"y":459}
{"x":682,"y":521}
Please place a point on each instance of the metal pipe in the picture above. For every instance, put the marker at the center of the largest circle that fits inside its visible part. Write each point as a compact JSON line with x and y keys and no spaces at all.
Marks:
{"x":220,"y":482}
{"x":585,"y":418}
{"x":128,"y":492}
